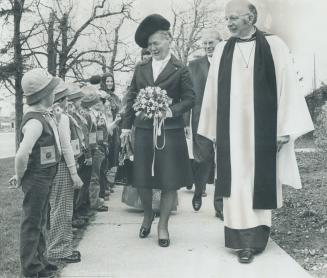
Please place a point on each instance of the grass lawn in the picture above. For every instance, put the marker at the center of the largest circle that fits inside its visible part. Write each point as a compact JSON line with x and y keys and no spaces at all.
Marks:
{"x":300,"y":226}
{"x":305,"y":142}
{"x":10,"y":213}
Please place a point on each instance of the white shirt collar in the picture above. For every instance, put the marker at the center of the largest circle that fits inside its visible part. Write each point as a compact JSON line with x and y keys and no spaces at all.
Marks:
{"x":159,"y":65}
{"x":166,"y":59}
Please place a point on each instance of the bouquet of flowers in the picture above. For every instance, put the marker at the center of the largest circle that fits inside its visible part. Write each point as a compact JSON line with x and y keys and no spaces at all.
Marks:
{"x":153,"y":102}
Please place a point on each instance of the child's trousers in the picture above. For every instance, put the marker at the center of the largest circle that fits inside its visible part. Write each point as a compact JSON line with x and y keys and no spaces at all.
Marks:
{"x":36,"y":187}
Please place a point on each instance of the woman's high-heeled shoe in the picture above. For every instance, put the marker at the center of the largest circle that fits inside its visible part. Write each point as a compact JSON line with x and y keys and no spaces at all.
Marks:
{"x":144,"y":232}
{"x":164,"y":242}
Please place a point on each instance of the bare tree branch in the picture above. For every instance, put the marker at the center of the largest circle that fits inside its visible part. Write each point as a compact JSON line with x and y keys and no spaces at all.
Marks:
{"x":187,"y":27}
{"x":10,"y":87}
{"x":115,"y":43}
{"x":75,"y":59}
{"x":92,"y":18}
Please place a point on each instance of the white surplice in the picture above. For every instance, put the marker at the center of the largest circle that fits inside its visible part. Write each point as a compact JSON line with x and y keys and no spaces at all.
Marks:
{"x":293,"y":119}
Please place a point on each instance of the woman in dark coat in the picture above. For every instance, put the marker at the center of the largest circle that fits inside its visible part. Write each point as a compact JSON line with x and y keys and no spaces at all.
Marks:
{"x":130,"y":195}
{"x":172,"y":169}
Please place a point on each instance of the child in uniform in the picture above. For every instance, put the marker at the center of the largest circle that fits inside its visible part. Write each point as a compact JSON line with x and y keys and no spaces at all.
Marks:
{"x":35,"y":167}
{"x":60,"y":237}
{"x":84,"y":158}
{"x":88,"y":102}
{"x":105,"y":128}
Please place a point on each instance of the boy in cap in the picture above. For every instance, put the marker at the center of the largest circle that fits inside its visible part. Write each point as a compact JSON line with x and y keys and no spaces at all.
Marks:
{"x":84,"y":160}
{"x":105,"y":129}
{"x":35,"y":167}
{"x":88,"y":102}
{"x":60,"y":237}
{"x":102,"y":141}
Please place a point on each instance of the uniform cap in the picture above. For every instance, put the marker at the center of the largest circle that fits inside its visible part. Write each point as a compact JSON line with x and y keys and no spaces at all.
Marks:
{"x":37,"y":84}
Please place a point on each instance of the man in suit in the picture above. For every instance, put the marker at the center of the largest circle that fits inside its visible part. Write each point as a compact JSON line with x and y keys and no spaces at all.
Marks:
{"x":203,"y":150}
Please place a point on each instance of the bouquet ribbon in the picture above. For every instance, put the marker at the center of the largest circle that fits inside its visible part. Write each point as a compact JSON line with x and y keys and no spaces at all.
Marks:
{"x":158,"y":123}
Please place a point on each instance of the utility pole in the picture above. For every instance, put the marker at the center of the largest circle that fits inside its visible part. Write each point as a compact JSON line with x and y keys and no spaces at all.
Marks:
{"x":314,"y":72}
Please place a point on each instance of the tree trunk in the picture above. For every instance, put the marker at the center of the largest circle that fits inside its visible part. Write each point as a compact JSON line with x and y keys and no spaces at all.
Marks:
{"x":52,"y":55}
{"x":115,"y":48}
{"x":64,"y":47}
{"x":18,"y":59}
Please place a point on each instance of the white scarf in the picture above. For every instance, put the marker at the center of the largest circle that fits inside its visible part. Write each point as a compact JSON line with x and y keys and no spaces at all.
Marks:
{"x":159,"y":65}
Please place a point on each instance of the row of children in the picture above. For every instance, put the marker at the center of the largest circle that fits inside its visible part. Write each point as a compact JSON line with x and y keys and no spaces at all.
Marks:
{"x":61,"y":165}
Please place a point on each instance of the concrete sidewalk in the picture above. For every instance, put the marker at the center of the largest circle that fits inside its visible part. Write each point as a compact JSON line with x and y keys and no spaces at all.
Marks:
{"x":111,"y":247}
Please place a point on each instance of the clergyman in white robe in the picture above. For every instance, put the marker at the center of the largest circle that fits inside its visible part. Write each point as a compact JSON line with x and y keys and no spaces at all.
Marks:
{"x":293,"y":119}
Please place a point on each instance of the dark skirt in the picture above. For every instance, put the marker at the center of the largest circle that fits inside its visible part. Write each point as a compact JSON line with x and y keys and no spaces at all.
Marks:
{"x":172,"y":168}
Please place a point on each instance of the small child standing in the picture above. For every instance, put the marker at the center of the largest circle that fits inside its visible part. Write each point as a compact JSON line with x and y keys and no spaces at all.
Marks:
{"x":60,"y":236}
{"x":90,"y":100}
{"x":84,"y":158}
{"x":105,"y":129}
{"x":35,"y":167}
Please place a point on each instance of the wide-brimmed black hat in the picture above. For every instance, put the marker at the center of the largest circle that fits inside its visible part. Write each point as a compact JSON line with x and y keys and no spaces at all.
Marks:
{"x":150,"y":25}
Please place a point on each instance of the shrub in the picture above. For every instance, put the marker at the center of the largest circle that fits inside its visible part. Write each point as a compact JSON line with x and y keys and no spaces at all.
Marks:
{"x":320,"y":133}
{"x":316,"y":100}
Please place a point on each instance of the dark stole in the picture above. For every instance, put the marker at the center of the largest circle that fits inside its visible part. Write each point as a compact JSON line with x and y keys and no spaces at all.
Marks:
{"x":265,"y":123}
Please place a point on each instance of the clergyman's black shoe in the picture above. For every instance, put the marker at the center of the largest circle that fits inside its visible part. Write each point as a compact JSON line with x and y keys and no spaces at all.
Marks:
{"x":144,"y":232}
{"x":220,"y":215}
{"x":197,"y":202}
{"x":245,"y":256}
{"x":164,"y":242}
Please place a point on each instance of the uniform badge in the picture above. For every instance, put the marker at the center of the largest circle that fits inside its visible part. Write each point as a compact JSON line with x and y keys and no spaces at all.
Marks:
{"x":76,"y":146}
{"x":92,"y":138}
{"x":48,"y":155}
{"x":100,"y":136}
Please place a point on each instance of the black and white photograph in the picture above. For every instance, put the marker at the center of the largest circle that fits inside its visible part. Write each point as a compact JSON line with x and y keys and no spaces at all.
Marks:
{"x":163,"y":138}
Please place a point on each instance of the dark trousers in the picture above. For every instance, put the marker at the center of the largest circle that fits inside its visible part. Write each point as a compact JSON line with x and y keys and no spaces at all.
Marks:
{"x":201,"y":173}
{"x":36,"y":187}
{"x":94,"y":188}
{"x":81,"y":198}
{"x":217,"y":201}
